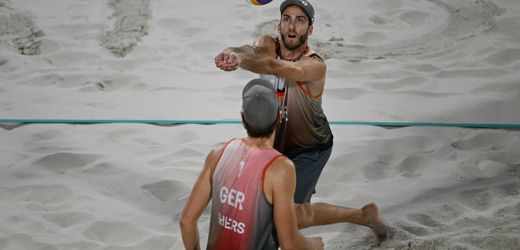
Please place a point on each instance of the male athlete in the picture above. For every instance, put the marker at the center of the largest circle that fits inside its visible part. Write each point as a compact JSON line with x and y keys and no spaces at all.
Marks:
{"x":304,"y":135}
{"x":251,"y":186}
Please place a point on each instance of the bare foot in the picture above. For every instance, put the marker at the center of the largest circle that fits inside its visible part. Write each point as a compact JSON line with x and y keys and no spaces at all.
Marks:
{"x":371,"y":211}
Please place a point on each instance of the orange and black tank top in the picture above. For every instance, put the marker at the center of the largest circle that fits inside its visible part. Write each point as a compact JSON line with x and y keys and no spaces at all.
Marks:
{"x":304,"y":126}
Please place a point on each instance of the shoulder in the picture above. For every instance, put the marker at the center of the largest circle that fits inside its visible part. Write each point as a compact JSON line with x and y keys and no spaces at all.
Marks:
{"x":314,"y":57}
{"x":218,"y":149}
{"x":264,"y":41}
{"x":280,"y":178}
{"x":214,"y":154}
{"x":315,"y":64}
{"x":281,"y":168}
{"x":280,"y":175}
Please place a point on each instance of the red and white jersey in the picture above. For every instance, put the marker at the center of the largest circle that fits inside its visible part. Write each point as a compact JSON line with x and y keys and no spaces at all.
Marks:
{"x":241,"y":217}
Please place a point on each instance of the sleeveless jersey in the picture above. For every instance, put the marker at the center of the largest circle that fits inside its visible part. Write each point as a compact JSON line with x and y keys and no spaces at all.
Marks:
{"x":241,"y":217}
{"x":304,"y":125}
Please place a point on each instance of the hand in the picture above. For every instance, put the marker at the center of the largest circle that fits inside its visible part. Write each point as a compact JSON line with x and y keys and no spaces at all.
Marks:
{"x":317,"y":243}
{"x":227,"y":60}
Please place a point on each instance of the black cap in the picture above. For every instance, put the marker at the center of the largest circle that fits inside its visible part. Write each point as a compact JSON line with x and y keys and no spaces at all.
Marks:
{"x":304,"y":4}
{"x":259,"y":104}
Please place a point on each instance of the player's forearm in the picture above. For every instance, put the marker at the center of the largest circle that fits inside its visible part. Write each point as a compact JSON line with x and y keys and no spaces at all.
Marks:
{"x":254,"y":59}
{"x":190,"y":236}
{"x":258,"y":60}
{"x":306,"y":243}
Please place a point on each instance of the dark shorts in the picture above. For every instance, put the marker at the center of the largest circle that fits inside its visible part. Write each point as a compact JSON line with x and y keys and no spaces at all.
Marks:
{"x":308,"y":170}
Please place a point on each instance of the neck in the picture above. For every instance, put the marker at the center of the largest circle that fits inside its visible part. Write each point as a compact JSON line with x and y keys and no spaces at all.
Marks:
{"x":292,"y":55}
{"x":264,"y":142}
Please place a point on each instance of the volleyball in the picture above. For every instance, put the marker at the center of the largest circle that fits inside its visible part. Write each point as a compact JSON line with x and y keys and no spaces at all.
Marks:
{"x":259,"y":2}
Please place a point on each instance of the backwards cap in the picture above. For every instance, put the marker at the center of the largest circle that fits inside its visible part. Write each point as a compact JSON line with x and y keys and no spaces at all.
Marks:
{"x":304,"y":4}
{"x":259,"y":104}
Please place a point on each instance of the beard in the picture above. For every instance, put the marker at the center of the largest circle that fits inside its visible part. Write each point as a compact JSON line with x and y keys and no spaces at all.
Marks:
{"x":301,"y":40}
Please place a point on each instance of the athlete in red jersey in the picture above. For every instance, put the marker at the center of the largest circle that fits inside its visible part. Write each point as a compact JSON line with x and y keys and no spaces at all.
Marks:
{"x":241,"y":217}
{"x":250,"y":184}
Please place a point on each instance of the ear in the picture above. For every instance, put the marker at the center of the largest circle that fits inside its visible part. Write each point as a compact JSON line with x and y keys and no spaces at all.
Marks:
{"x":243,"y":119}
{"x":310,"y":30}
{"x":278,"y":27}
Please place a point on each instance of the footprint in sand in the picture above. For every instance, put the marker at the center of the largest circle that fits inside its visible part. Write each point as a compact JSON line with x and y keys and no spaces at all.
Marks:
{"x":130,"y":25}
{"x":413,"y":166}
{"x":485,"y":140}
{"x":20,"y":32}
{"x":67,"y":219}
{"x":168,"y":190}
{"x":61,"y":163}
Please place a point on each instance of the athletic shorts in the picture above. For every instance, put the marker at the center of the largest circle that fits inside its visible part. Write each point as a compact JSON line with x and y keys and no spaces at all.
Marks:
{"x":308,"y":170}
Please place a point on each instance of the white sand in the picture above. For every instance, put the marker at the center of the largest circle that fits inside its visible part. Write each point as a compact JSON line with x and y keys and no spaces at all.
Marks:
{"x":122,"y":186}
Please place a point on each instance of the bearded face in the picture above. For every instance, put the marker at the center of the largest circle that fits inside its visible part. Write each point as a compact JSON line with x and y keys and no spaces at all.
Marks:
{"x":294,"y":27}
{"x":293,"y":41}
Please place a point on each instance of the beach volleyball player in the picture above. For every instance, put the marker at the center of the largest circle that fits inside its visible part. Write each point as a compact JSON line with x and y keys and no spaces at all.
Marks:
{"x":298,"y":74}
{"x":250,"y":184}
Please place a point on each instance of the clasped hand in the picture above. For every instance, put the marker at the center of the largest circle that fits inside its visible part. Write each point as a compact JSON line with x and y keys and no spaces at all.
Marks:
{"x":227,"y":60}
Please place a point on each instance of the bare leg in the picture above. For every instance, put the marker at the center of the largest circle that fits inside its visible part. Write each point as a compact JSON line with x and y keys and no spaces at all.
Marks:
{"x":314,"y":214}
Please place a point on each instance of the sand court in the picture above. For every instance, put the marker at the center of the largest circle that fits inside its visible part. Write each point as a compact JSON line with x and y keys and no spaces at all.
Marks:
{"x":123,"y":185}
